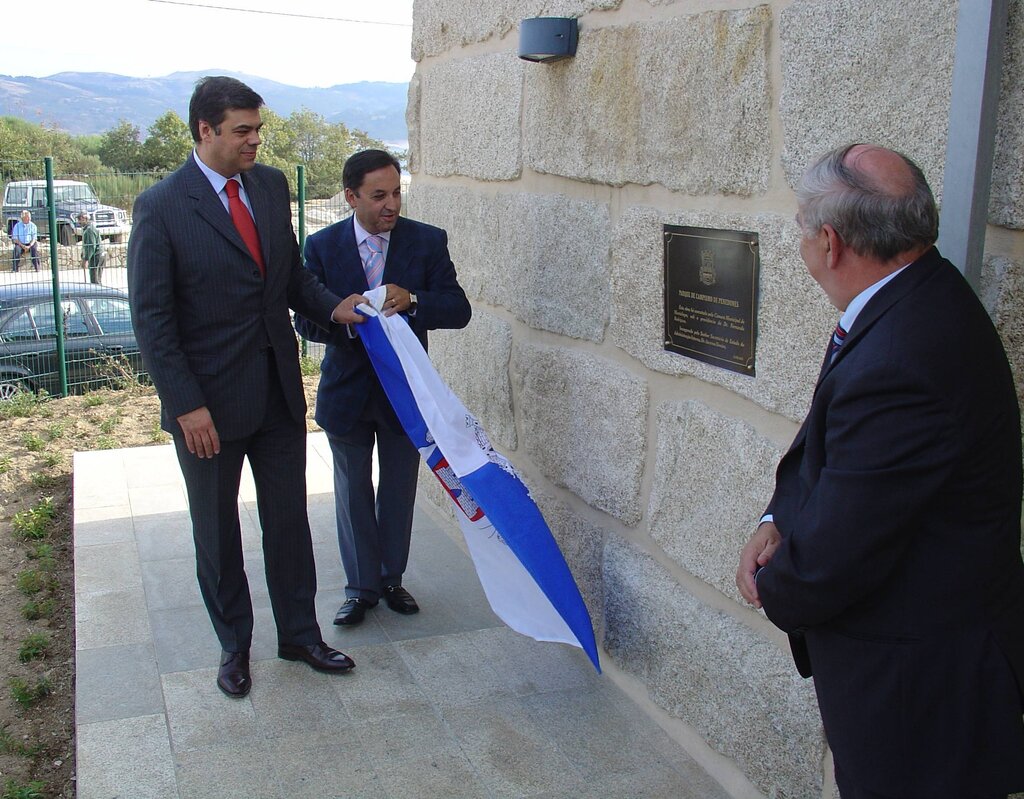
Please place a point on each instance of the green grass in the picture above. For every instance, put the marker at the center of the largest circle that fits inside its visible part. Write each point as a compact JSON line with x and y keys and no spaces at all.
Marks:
{"x":5,"y":464}
{"x":27,"y":695}
{"x":43,"y":481}
{"x":105,"y":442}
{"x":94,"y":398}
{"x":34,"y":610}
{"x":33,"y":442}
{"x":52,"y":459}
{"x":31,"y":581}
{"x":110,"y":424}
{"x":21,"y":405}
{"x":35,"y":646}
{"x":309,"y":366}
{"x":34,"y":523}
{"x":12,"y":746}
{"x":41,"y":552}
{"x":32,"y":790}
{"x":55,"y":430}
{"x":157,"y":434}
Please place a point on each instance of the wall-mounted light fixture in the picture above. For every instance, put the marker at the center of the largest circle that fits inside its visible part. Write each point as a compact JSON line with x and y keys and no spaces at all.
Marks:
{"x":547,"y":39}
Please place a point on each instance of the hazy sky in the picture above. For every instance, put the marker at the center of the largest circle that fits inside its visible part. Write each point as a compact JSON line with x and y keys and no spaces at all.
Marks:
{"x":147,"y":38}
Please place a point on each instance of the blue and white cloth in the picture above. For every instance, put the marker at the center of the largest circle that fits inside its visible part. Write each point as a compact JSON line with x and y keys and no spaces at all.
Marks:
{"x":521,"y":569}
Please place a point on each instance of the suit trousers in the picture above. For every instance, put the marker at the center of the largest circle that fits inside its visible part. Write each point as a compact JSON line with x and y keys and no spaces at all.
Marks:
{"x":847,"y":790}
{"x":374,"y":531}
{"x":277,"y":457}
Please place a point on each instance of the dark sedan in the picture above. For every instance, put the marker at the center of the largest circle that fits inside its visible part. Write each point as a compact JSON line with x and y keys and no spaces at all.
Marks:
{"x":99,"y":342}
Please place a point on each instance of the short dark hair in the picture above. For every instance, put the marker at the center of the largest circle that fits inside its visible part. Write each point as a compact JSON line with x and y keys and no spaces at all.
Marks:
{"x":871,"y":221}
{"x":214,"y":95}
{"x":359,"y":164}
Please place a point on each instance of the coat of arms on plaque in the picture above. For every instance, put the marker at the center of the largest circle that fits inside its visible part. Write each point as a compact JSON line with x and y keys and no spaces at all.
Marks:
{"x":707,"y":267}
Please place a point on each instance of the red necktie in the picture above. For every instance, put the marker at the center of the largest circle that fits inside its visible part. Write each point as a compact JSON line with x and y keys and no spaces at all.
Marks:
{"x":243,"y":222}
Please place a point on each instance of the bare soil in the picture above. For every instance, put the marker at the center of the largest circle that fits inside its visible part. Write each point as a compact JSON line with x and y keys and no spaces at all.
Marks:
{"x":37,"y":443}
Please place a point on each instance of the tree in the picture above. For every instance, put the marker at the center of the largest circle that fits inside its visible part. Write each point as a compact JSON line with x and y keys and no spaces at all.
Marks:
{"x":25,"y":144}
{"x":121,"y":148}
{"x":168,"y":143}
{"x":305,"y":137}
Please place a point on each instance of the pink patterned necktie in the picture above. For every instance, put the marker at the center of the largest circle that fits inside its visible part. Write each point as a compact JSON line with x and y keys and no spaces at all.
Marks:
{"x":374,"y":264}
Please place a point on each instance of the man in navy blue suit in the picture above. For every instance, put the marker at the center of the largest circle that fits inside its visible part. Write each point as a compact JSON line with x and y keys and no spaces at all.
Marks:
{"x":890,"y":550}
{"x":375,"y":247}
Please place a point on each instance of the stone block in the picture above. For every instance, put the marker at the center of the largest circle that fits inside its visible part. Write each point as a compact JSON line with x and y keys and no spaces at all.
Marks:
{"x":474,"y":363}
{"x":585,"y":426}
{"x":862,"y":77}
{"x":544,"y":257}
{"x":581,"y":542}
{"x":553,"y":254}
{"x":1006,"y":206}
{"x":469,"y":117}
{"x":739,"y":691}
{"x":466,"y":216}
{"x":712,"y":479}
{"x":794,"y":317}
{"x":443,"y":25}
{"x":412,"y":123}
{"x":681,"y":102}
{"x":1002,"y":292}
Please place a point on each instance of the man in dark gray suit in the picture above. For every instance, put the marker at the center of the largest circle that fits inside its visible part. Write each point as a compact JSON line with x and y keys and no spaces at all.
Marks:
{"x":210,"y":292}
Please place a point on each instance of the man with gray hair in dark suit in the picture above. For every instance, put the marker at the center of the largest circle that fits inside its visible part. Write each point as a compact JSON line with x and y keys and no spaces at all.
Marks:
{"x":213,"y":267}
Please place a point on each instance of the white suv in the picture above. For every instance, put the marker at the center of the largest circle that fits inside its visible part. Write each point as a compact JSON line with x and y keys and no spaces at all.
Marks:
{"x":71,"y":197}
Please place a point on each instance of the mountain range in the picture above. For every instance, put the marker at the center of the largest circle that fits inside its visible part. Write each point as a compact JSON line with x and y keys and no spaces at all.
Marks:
{"x":94,"y":102}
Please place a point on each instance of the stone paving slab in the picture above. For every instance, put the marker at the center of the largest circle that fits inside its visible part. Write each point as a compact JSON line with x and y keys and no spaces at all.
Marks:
{"x":448,"y":703}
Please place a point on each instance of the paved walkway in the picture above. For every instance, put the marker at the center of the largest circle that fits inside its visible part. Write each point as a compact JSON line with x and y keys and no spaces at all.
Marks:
{"x":448,"y":703}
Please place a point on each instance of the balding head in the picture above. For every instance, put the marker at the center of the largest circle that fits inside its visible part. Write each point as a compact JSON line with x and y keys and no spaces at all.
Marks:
{"x":877,"y":200}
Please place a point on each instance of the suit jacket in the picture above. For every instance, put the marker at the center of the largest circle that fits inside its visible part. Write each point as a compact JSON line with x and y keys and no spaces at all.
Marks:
{"x":899,"y":575}
{"x":417,"y":260}
{"x":204,"y":317}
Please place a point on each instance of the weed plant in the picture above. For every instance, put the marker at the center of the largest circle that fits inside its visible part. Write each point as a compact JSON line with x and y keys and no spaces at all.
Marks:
{"x":32,"y":790}
{"x":33,"y":442}
{"x":34,"y":523}
{"x":31,"y":582}
{"x":10,"y":745}
{"x":33,"y":610}
{"x":27,"y":695}
{"x":34,"y":646}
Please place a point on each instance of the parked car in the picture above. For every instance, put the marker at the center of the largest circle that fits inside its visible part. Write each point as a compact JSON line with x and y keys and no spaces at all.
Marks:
{"x":71,"y":197}
{"x":99,"y":341}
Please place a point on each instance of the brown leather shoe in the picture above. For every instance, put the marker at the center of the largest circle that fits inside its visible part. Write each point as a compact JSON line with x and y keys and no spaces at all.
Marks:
{"x":233,"y":675}
{"x":400,"y":600}
{"x":320,"y":656}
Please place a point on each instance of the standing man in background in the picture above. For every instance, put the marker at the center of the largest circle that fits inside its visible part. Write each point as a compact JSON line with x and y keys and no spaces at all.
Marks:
{"x":213,"y":267}
{"x":92,"y":248}
{"x":374,"y":247}
{"x":25,"y":236}
{"x":890,"y":551}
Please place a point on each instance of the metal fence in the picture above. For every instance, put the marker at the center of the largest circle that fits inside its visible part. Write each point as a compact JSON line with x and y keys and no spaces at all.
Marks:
{"x":65,"y":324}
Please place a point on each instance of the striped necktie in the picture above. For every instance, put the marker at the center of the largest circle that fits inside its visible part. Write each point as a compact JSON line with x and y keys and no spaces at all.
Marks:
{"x":374,"y":263}
{"x":838,"y":337}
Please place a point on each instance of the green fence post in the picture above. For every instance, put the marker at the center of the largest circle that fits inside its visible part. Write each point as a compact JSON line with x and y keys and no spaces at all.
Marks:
{"x":58,"y":305}
{"x":300,"y":180}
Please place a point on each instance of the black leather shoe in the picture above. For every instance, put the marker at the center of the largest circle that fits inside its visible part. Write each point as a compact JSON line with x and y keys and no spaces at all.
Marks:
{"x":233,"y":676}
{"x":400,"y":600}
{"x":352,"y":612}
{"x":320,"y":656}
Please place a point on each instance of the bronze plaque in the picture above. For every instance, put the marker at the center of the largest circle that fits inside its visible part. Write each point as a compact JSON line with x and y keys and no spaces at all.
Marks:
{"x":711,"y":287}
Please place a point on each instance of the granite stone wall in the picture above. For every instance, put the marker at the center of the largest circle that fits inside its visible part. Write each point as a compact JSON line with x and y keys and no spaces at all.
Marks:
{"x":554,"y":183}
